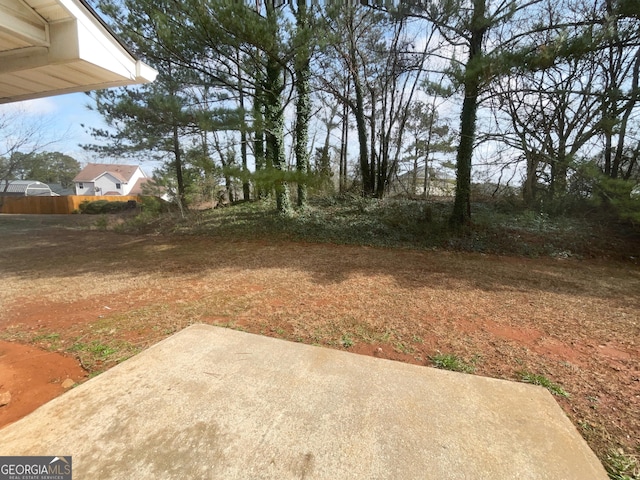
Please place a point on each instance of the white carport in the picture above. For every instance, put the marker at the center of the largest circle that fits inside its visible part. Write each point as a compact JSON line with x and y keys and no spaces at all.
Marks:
{"x":52,"y":47}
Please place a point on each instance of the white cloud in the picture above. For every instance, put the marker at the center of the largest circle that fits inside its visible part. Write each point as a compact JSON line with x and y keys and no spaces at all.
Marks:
{"x":38,"y":106}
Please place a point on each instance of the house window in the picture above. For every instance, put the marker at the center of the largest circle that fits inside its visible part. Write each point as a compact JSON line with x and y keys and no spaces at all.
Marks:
{"x":81,"y":185}
{"x":117,"y":186}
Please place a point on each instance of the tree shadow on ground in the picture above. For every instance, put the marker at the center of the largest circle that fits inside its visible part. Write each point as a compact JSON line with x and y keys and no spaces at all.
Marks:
{"x":39,"y":248}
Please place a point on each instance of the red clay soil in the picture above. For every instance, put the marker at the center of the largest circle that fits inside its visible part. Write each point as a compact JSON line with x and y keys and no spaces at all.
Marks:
{"x":30,"y":377}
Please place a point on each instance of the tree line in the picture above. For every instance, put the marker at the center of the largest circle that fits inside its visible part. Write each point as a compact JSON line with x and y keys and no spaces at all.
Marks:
{"x":271,"y":98}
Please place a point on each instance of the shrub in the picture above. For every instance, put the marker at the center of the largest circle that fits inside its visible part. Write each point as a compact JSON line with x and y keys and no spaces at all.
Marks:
{"x":154,"y":205}
{"x":92,"y":208}
{"x":98,"y":207}
{"x":590,"y":188}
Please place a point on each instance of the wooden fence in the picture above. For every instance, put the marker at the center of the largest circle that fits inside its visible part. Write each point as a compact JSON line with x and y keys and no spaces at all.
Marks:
{"x":54,"y":205}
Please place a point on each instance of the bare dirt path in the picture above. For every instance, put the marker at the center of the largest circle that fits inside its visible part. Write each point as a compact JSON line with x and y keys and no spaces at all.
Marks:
{"x":97,"y":297}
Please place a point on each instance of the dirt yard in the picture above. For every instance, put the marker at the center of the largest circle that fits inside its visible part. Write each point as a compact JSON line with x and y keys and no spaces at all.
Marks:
{"x":74,"y":302}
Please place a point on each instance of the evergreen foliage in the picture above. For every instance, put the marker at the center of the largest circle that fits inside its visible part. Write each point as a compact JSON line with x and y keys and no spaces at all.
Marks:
{"x":544,"y":89}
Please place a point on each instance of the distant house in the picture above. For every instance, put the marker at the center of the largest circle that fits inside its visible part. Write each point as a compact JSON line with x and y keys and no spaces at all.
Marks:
{"x":437,"y":184}
{"x":25,"y":188}
{"x":110,"y":179}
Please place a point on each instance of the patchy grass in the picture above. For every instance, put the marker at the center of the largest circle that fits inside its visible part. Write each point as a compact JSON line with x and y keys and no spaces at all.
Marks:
{"x":346,"y":341}
{"x":96,"y":355}
{"x":621,"y":466}
{"x":448,"y":361}
{"x":50,"y":341}
{"x":543,"y":381}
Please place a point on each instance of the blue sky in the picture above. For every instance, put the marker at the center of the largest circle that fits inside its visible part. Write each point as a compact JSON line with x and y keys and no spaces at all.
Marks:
{"x":61,"y":118}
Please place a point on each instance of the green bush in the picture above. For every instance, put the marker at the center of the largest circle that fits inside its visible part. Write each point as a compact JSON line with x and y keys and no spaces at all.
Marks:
{"x":98,"y":207}
{"x":92,"y":207}
{"x":590,"y":188}
{"x":154,"y":205}
{"x":617,"y":195}
{"x":154,"y":215}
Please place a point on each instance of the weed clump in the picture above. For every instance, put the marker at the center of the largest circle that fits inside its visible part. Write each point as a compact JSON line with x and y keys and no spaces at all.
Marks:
{"x":621,"y":466}
{"x":543,"y":381}
{"x":451,"y":362}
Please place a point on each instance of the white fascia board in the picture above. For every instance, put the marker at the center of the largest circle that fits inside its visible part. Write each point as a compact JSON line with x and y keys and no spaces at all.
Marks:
{"x":71,"y":40}
{"x":146,"y":72}
{"x":98,"y":46}
{"x":79,"y":42}
{"x":82,"y":37}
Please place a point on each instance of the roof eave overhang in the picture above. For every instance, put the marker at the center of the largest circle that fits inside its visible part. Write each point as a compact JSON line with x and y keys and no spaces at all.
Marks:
{"x":77,"y":53}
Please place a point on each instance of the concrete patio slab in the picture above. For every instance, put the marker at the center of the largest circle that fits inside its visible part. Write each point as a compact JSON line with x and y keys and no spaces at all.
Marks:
{"x":213,"y":403}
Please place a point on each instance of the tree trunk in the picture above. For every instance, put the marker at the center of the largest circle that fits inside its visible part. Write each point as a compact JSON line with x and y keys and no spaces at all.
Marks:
{"x":178,"y":166}
{"x":427,"y":178}
{"x":608,"y":152}
{"x":344,"y":139}
{"x":634,"y":97}
{"x":462,"y":204}
{"x":414,"y":174}
{"x":246,"y":186}
{"x":374,"y":159}
{"x":274,"y":116}
{"x":303,"y":104}
{"x":559,"y":171}
{"x":361,"y":127}
{"x":529,"y":185}
{"x":560,"y":167}
{"x":324,"y":166}
{"x":461,"y":214}
{"x":258,"y":143}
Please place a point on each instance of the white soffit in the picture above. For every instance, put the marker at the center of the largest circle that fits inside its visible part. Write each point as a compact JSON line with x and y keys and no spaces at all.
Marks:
{"x":51,"y":47}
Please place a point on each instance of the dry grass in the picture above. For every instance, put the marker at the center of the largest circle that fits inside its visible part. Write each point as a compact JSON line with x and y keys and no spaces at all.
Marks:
{"x":105,"y":296}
